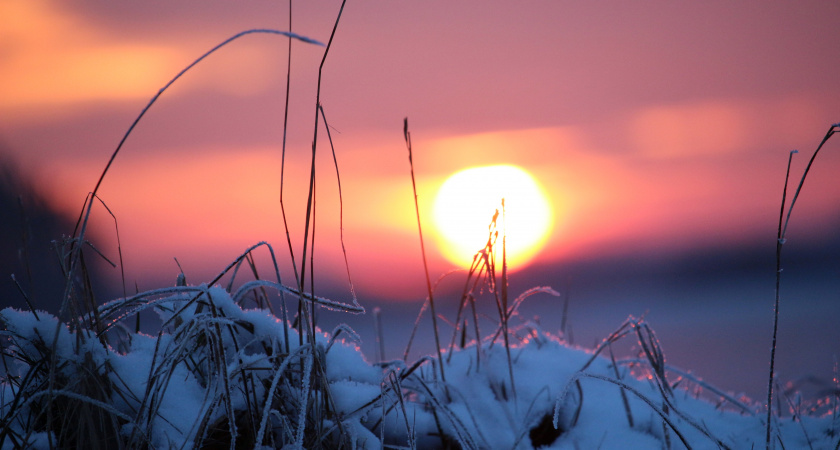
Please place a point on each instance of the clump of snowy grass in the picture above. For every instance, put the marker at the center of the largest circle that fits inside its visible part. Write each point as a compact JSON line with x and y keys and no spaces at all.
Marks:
{"x":219,"y":374}
{"x":215,"y":373}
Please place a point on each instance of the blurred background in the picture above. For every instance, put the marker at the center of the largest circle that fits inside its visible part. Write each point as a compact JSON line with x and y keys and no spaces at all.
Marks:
{"x":660,"y":130}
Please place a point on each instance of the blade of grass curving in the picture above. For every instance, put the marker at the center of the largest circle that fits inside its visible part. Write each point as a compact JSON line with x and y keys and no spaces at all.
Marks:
{"x":345,"y":329}
{"x":263,"y":302}
{"x":153,"y":100}
{"x":180,"y":74}
{"x":780,"y":240}
{"x":320,"y":301}
{"x":512,"y":310}
{"x":340,"y":208}
{"x":75,"y":255}
{"x":407,"y":136}
{"x":831,"y":131}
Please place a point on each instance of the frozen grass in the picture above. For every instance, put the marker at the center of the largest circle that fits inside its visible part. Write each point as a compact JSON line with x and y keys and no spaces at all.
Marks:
{"x":238,"y":368}
{"x":219,"y":374}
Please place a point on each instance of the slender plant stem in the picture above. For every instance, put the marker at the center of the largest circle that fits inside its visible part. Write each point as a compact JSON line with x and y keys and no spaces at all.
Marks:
{"x":776,"y":304}
{"x":320,"y":371}
{"x":310,"y":202}
{"x":504,"y":317}
{"x":340,"y":209}
{"x":282,"y":177}
{"x":784,"y":221}
{"x":423,"y":250}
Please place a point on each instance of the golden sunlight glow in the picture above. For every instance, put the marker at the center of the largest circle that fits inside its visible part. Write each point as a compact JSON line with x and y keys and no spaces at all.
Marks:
{"x":465,"y":205}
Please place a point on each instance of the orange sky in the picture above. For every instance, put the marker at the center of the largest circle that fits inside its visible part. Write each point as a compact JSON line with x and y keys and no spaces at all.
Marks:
{"x":656,"y":127}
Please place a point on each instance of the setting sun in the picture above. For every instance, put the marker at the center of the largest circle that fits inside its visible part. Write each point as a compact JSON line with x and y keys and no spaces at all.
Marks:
{"x":465,"y":205}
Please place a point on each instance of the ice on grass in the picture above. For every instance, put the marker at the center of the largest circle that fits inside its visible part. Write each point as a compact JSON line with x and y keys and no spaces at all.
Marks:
{"x":214,"y":360}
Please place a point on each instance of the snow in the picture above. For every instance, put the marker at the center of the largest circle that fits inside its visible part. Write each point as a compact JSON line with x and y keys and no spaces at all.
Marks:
{"x":213,"y":359}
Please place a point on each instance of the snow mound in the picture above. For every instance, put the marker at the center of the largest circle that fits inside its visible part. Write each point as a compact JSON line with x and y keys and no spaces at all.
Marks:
{"x":218,"y":374}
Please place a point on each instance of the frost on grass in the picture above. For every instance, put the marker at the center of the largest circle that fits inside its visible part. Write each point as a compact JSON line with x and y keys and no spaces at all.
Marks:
{"x":221,"y":375}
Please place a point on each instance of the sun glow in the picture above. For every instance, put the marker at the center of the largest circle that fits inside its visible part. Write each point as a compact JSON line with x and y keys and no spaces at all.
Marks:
{"x":467,"y":201}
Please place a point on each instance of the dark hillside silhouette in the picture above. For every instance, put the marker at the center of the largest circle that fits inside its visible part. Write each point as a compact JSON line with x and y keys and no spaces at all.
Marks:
{"x":30,"y":229}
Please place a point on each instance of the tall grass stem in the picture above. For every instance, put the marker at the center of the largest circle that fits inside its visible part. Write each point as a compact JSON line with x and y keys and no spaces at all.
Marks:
{"x":429,"y":289}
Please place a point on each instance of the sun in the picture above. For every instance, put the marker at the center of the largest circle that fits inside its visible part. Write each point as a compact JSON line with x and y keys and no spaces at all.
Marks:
{"x":468,"y":199}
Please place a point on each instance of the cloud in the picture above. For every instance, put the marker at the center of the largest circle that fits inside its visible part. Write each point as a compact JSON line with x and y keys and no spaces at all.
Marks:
{"x":52,"y":59}
{"x":717,"y":127}
{"x":679,"y":131}
{"x":55,"y":59}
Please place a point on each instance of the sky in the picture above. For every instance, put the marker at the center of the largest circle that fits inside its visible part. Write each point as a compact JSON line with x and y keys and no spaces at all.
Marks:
{"x":660,"y":131}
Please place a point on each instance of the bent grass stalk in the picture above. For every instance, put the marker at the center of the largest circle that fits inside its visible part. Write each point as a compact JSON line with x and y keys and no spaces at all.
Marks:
{"x":784,"y":221}
{"x":74,"y":256}
{"x":340,"y":211}
{"x":89,"y":205}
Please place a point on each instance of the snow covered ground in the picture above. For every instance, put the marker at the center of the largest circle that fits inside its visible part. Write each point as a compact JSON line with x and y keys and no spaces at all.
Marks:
{"x":220,"y":374}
